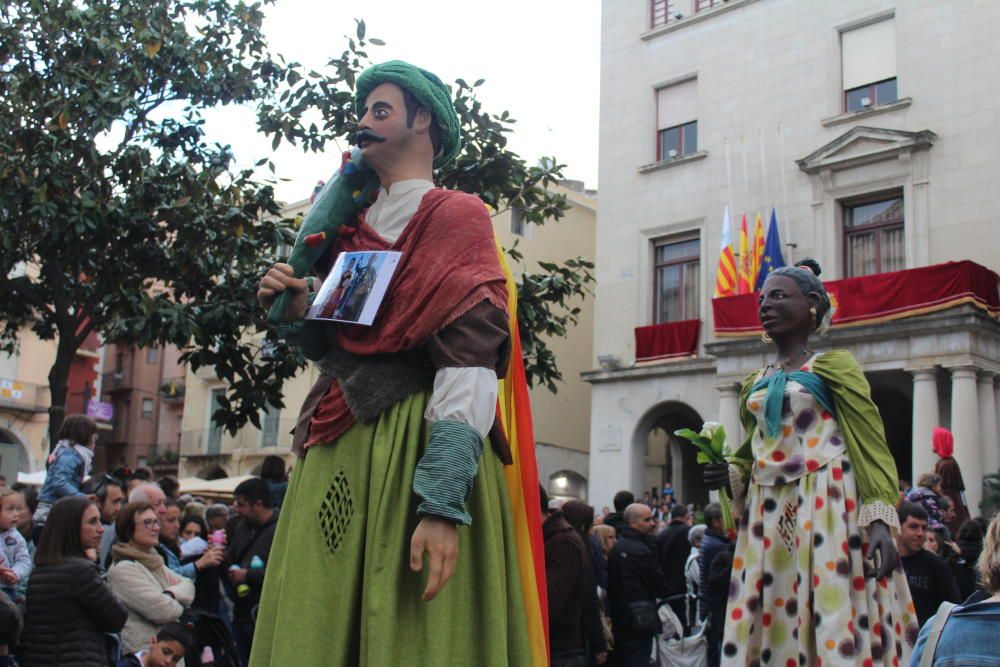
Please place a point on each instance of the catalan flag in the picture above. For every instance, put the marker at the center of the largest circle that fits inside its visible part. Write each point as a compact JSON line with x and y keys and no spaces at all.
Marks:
{"x":744,"y":284}
{"x":725,"y":277}
{"x":757,"y":254}
{"x":772,"y":251}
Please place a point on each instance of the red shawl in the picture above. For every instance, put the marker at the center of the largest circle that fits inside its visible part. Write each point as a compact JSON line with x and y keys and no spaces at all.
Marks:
{"x":449,"y":264}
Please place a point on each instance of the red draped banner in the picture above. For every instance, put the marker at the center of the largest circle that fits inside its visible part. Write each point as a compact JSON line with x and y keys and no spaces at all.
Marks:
{"x":879,"y":298}
{"x":667,"y":341}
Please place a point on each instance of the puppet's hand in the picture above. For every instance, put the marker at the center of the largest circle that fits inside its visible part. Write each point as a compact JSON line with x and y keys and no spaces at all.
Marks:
{"x":881,"y":542}
{"x":279,"y":278}
{"x":439,"y":538}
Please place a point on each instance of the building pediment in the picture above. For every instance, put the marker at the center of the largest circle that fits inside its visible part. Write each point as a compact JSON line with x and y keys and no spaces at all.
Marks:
{"x":863,"y":145}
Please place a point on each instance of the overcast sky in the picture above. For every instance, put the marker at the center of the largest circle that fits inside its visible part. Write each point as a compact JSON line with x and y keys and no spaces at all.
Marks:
{"x":540,"y":60}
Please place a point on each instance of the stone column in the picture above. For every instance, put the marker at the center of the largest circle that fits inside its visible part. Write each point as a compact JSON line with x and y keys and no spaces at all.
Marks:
{"x":926,"y":416}
{"x":965,"y":428}
{"x":729,"y":414}
{"x":989,"y":449}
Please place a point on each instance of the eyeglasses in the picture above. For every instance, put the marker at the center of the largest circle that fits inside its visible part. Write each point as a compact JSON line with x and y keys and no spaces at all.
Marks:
{"x":149,"y":523}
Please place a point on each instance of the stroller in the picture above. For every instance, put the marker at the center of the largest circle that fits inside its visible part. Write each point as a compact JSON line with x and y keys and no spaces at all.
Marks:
{"x":673,"y":647}
{"x":210,"y":631}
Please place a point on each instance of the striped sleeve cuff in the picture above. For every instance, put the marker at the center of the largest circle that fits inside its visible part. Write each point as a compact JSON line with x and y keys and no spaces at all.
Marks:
{"x":444,"y":476}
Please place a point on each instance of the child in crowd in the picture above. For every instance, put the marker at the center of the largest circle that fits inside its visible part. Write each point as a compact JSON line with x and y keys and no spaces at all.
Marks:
{"x":68,"y":465}
{"x":15,"y":561}
{"x":166,"y":649}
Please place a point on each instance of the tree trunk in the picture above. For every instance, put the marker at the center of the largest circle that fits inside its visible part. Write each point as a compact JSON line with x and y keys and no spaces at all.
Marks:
{"x":59,"y":387}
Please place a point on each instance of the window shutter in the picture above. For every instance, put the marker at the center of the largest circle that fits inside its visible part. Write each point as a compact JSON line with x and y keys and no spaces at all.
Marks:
{"x":869,"y":54}
{"x":677,"y":104}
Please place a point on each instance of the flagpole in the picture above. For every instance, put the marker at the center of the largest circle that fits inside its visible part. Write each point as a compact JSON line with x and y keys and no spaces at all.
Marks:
{"x":789,"y":244}
{"x":729,"y":175}
{"x":746,"y":179}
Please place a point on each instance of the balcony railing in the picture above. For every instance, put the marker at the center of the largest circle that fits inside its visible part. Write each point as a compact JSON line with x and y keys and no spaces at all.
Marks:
{"x":116,"y":380}
{"x":172,"y":390}
{"x":23,"y":396}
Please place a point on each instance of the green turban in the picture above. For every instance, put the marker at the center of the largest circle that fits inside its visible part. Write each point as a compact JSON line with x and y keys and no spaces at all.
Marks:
{"x":429,"y":91}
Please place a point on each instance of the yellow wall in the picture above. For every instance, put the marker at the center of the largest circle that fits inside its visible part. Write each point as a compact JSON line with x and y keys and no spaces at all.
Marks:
{"x":29,"y":366}
{"x":561,"y":419}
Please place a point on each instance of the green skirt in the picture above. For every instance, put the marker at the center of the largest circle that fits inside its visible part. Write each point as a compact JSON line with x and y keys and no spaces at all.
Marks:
{"x":338,"y":588}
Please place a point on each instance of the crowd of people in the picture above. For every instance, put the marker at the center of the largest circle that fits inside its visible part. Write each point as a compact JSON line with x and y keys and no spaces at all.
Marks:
{"x":119,"y":569}
{"x":654,"y":553}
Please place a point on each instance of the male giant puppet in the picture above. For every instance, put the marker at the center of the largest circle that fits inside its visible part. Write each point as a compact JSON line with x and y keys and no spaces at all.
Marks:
{"x":402,"y":539}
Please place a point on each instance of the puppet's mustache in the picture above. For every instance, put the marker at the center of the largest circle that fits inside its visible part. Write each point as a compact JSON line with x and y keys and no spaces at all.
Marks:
{"x":364,"y":135}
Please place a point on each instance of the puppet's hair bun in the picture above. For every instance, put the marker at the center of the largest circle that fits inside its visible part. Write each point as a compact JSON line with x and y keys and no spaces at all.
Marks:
{"x":810,"y":264}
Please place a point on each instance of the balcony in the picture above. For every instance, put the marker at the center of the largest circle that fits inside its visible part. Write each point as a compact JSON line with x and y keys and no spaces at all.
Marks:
{"x":667,"y":341}
{"x":878,"y":298}
{"x":117,"y":380}
{"x":172,"y":390}
{"x":24,"y":396}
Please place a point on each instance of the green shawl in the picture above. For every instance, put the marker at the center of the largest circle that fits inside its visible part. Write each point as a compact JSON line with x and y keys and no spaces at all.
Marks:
{"x":859,"y":421}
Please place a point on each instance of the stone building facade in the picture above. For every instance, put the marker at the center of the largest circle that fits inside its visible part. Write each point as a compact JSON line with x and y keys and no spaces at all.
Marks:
{"x":868,"y":126}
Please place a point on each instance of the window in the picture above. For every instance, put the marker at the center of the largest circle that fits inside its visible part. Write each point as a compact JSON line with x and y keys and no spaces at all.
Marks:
{"x":147,"y":407}
{"x":214,"y":444}
{"x":676,"y":120}
{"x":874,"y":240}
{"x":659,"y":12}
{"x":701,"y":5}
{"x":868,"y":58}
{"x":152,"y":355}
{"x":676,"y":277}
{"x":269,"y":427}
{"x":518,"y":225}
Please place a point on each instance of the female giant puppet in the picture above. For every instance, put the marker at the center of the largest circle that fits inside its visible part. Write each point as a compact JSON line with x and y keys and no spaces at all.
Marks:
{"x":403,"y":440}
{"x":820,"y":489}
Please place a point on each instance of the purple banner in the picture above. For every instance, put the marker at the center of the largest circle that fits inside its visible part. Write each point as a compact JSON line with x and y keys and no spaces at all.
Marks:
{"x":104,"y":412}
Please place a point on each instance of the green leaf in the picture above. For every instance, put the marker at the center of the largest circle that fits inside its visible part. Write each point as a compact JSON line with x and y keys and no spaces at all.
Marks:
{"x":719,"y":440}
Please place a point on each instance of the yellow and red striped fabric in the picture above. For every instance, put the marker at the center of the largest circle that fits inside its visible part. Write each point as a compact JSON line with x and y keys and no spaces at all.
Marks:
{"x":744,"y":283}
{"x":522,"y":483}
{"x":725,"y":275}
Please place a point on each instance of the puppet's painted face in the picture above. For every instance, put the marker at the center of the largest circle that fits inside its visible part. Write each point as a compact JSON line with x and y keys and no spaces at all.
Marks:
{"x":784,"y":308}
{"x":384,"y":115}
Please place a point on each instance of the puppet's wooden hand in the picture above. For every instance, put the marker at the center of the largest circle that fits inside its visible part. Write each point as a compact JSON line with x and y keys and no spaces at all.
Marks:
{"x":279,"y":278}
{"x":439,"y":538}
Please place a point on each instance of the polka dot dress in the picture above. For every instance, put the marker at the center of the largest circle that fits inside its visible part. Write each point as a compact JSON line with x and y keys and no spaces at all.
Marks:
{"x":798,"y":594}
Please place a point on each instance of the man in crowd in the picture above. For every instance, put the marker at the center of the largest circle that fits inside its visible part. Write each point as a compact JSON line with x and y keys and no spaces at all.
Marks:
{"x":634,"y":575}
{"x":109,"y":494}
{"x":248,"y":554}
{"x":571,"y":592}
{"x":616,"y":519}
{"x":713,"y":543}
{"x":930,"y":578}
{"x":672,"y":550}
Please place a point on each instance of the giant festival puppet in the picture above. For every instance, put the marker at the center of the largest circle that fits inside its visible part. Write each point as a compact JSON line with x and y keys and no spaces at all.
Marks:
{"x":410,"y":532}
{"x":816,"y":579}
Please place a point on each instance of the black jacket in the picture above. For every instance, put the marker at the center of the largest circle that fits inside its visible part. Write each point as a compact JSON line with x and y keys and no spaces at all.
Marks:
{"x":617,"y":521}
{"x":249,"y":541}
{"x":68,"y":608}
{"x":633,"y":575}
{"x":574,"y":610}
{"x":672,"y":550}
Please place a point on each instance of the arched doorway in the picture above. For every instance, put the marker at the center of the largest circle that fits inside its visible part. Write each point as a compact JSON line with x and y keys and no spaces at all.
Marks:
{"x":567,"y":484}
{"x":896,"y":410}
{"x":211,"y":472}
{"x":14,"y":456}
{"x":670,"y":459}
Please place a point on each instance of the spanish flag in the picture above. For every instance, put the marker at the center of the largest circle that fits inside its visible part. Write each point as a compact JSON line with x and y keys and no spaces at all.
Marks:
{"x":744,"y":283}
{"x":757,"y":256}
{"x":522,"y":484}
{"x":725,"y":277}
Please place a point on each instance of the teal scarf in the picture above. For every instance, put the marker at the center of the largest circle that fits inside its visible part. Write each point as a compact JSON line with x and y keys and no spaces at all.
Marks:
{"x":775,"y":397}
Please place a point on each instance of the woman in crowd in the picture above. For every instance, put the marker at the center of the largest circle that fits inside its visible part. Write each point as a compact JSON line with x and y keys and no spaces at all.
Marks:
{"x":819,"y":488}
{"x":68,"y":465}
{"x":170,"y":547}
{"x":966,"y":634}
{"x":927,"y":493}
{"x":970,"y":543}
{"x":69,"y":606}
{"x":692,"y":574}
{"x":950,"y":476}
{"x":153,"y":594}
{"x":272,"y":471}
